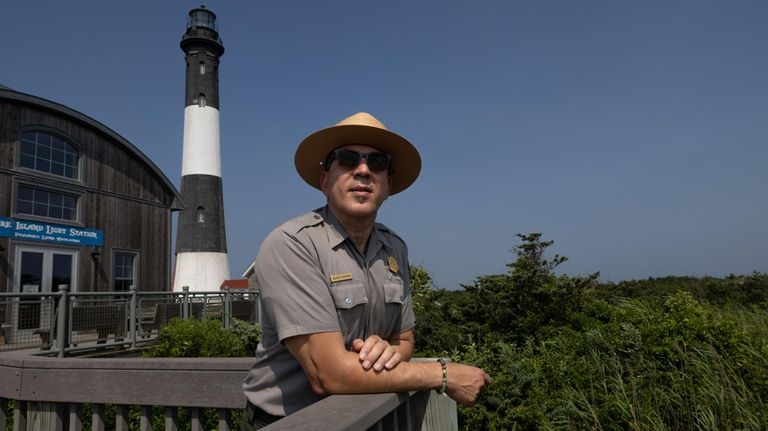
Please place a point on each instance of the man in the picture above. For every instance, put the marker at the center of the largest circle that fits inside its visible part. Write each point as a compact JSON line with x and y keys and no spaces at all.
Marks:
{"x":335,"y":288}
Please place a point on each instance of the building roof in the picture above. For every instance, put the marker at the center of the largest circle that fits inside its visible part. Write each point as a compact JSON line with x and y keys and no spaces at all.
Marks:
{"x":10,"y":94}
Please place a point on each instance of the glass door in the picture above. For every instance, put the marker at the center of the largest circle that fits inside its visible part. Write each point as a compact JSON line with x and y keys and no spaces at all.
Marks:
{"x":39,"y":270}
{"x":30,"y":281}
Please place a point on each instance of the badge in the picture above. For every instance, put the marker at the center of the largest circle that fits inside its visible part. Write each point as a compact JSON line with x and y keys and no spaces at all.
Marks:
{"x":341,"y":277}
{"x":392,"y":264}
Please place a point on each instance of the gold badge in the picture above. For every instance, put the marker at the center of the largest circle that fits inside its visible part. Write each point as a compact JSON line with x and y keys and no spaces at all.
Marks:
{"x":392,"y":264}
{"x":341,"y":277}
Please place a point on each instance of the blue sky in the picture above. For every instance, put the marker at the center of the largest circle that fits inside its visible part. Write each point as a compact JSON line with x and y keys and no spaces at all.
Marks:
{"x":633,"y":134}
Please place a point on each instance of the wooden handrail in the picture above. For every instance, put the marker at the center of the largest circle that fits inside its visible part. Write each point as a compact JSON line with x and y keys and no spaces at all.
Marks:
{"x":188,"y":382}
{"x":198,"y":383}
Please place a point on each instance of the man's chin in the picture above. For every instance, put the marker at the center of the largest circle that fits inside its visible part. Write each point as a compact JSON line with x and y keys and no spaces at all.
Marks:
{"x":361,"y":209}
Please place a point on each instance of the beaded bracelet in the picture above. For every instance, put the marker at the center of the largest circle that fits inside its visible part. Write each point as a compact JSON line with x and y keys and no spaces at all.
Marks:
{"x":441,"y":391}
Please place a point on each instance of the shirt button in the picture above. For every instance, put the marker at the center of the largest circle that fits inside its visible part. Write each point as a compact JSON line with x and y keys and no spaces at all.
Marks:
{"x":348,"y":300}
{"x":402,"y":298}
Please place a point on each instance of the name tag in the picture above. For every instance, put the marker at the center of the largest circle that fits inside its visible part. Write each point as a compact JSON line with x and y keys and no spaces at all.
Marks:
{"x":341,"y":277}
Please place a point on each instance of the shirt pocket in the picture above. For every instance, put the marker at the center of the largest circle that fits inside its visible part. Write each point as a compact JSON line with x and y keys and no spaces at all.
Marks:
{"x":394,"y":296}
{"x":394,"y":292}
{"x":348,"y":295}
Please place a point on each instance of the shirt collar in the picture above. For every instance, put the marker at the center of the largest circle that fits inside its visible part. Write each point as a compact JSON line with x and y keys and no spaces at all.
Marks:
{"x":337,"y":234}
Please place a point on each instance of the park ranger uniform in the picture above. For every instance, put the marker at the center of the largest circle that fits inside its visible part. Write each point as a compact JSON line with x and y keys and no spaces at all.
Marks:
{"x":311,"y":279}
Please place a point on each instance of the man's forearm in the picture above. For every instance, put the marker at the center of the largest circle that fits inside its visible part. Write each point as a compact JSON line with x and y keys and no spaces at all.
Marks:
{"x":344,"y":375}
{"x":333,"y":370}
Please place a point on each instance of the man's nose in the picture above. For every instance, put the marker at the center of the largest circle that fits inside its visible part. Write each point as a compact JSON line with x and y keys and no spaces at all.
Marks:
{"x":362,"y":168}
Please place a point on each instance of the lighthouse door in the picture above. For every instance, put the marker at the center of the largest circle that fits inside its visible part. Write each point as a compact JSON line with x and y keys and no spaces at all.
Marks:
{"x":39,"y":270}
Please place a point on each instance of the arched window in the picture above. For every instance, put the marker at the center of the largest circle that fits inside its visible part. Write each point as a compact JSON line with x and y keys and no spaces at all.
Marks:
{"x":201,"y":100}
{"x":202,"y":68}
{"x":48,"y":153}
{"x":200,"y":215}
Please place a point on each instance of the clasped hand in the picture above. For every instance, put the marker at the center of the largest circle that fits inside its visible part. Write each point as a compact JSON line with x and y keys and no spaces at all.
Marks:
{"x":376,"y":352}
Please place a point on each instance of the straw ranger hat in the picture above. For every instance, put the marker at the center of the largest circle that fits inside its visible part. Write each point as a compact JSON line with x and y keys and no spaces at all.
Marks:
{"x":363,"y":129}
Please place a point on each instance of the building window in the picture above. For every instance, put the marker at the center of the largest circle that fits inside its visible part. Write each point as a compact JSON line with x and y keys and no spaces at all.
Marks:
{"x":50,"y":154}
{"x":202,"y":68}
{"x":201,"y":100}
{"x":46,"y":203}
{"x":200,"y":215}
{"x":124,"y":274}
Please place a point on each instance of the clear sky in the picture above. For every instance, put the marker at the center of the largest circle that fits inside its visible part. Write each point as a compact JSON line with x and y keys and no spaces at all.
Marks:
{"x":632,"y":133}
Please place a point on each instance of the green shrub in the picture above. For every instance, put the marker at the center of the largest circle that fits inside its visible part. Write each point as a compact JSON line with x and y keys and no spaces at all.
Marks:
{"x":638,"y":366}
{"x":192,"y":338}
{"x":674,"y":353}
{"x":248,"y":333}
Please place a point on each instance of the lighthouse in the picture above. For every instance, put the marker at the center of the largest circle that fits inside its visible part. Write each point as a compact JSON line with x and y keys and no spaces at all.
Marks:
{"x":201,"y":243}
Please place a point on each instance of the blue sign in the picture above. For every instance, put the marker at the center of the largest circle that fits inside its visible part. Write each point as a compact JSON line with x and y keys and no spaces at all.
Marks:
{"x":38,"y":231}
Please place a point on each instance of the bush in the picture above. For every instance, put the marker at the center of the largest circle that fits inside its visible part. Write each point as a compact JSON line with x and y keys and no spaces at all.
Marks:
{"x":674,"y":353}
{"x":685,"y":365}
{"x":192,"y":338}
{"x":529,"y":298}
{"x":248,"y":333}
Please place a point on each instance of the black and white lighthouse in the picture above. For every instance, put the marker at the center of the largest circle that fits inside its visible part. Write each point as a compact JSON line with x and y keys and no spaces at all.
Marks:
{"x":201,"y":244}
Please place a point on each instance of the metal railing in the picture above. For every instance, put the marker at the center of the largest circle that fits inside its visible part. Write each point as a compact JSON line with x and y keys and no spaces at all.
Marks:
{"x":63,"y":322}
{"x":76,"y":393}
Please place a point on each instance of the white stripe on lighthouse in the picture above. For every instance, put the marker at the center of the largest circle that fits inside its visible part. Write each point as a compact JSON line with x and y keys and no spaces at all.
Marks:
{"x":202,"y":272}
{"x":201,"y":141}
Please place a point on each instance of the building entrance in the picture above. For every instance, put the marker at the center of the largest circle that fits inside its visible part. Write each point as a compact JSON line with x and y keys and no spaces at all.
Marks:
{"x":39,"y":270}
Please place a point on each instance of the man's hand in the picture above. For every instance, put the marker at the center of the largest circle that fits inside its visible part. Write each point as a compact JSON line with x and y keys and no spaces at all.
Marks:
{"x":465,"y":383}
{"x":376,"y":352}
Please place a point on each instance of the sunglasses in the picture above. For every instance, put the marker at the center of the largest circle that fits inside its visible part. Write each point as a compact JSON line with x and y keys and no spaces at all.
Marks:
{"x":377,"y":162}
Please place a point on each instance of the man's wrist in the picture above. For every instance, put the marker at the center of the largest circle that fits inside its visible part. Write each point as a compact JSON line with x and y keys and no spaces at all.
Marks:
{"x":444,"y":380}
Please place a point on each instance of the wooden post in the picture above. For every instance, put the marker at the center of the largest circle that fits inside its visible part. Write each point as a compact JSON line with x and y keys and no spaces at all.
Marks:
{"x":132,"y":315}
{"x":75,"y":422}
{"x":3,"y":415}
{"x":145,"y":421}
{"x":440,"y":413}
{"x":62,"y":331}
{"x":44,"y":416}
{"x":223,"y":419}
{"x":227,"y":309}
{"x":98,"y":417}
{"x":20,"y":416}
{"x":196,"y":416}
{"x":171,"y":420}
{"x":121,"y":418}
{"x":185,"y":303}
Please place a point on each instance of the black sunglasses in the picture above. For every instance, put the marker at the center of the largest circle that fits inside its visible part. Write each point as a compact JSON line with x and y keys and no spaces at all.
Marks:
{"x":349,"y":159}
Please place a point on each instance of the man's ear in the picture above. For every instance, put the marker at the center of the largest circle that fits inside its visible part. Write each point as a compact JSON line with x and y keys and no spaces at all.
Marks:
{"x":324,"y":181}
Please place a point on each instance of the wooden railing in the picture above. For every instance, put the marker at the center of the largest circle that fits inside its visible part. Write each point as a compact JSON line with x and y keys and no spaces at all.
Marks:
{"x":51,"y":393}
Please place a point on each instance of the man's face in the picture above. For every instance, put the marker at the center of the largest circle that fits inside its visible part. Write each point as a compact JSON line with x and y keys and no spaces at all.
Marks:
{"x":355,"y":191}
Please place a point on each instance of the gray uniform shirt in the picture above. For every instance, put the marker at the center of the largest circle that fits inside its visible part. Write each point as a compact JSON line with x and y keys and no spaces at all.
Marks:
{"x":312,"y":279}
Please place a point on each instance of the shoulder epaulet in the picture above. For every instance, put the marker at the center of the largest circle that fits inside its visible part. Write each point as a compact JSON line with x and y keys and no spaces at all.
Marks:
{"x":295,"y":225}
